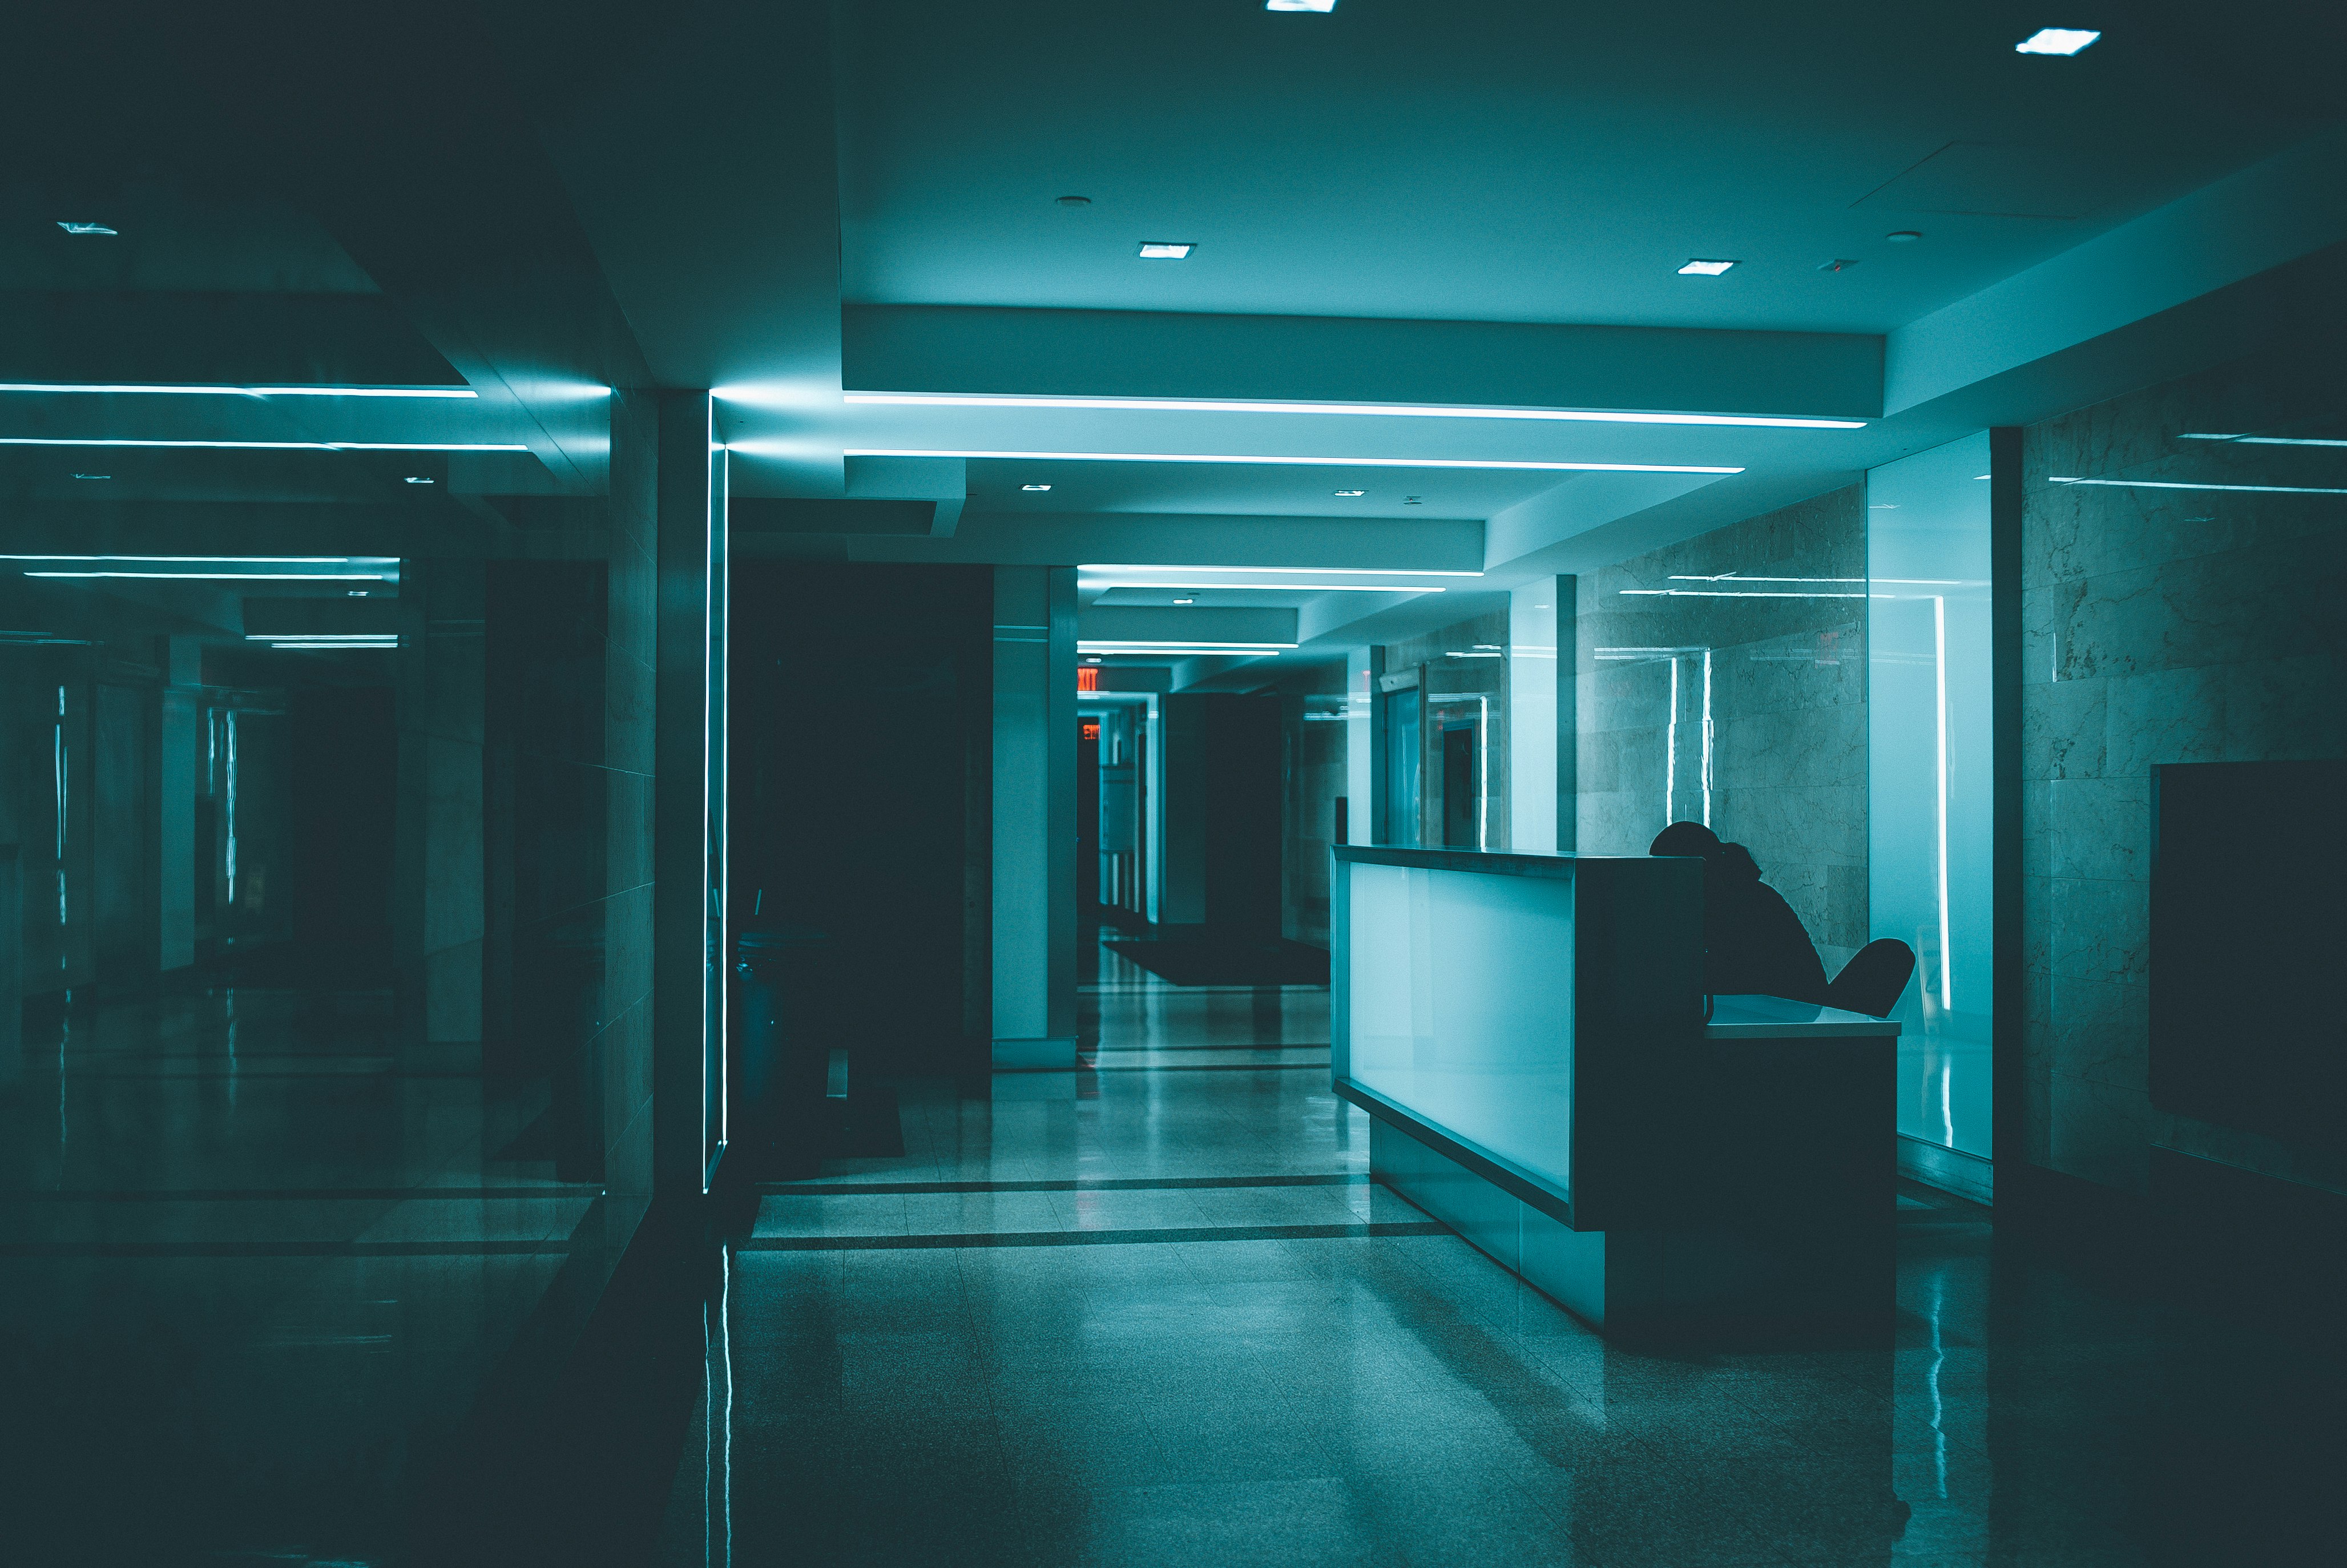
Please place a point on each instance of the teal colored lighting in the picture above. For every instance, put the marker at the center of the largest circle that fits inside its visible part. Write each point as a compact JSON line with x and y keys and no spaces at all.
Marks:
{"x":2182,"y":484}
{"x":127,"y":389}
{"x":1699,"y":268}
{"x":2056,"y":41}
{"x":1323,"y":5}
{"x":1260,"y":460}
{"x":270,"y":445}
{"x":231,"y":576}
{"x":1166,"y":249}
{"x":85,"y":228}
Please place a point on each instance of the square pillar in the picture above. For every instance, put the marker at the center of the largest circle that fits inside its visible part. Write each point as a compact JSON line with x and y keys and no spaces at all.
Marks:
{"x":1034,"y":894}
{"x":439,"y":888}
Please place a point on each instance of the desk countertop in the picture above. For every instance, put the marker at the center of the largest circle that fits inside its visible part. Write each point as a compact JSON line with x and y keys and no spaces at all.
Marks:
{"x":1774,"y":1018}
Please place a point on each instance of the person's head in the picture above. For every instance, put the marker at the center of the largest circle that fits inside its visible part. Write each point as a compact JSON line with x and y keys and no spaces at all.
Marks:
{"x":1737,"y":862}
{"x":1686,"y":838}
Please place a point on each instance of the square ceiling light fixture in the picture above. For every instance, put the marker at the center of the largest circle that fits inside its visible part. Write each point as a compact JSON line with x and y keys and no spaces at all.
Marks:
{"x":2056,"y":41}
{"x":1166,"y":249}
{"x":1034,"y":487}
{"x":1703,"y":269}
{"x":1300,"y":5}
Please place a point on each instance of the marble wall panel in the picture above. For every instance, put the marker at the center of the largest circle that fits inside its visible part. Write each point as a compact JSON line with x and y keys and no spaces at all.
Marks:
{"x":2161,"y":624}
{"x":1787,"y":705}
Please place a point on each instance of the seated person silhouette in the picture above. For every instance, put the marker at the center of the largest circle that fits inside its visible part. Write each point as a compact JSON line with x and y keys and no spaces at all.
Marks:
{"x":1753,"y":942}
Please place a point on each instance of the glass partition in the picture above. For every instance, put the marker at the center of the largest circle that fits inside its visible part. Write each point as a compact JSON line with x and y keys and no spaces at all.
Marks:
{"x":1930,"y":807}
{"x":1461,"y":1006}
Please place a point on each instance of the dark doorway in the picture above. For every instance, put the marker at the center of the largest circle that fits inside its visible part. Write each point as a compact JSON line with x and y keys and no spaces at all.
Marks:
{"x":861,"y":700}
{"x":1459,"y":788}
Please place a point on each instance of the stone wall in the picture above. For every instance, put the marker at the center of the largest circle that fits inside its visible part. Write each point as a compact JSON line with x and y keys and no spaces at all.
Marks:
{"x":2160,"y":626}
{"x":1699,"y":704}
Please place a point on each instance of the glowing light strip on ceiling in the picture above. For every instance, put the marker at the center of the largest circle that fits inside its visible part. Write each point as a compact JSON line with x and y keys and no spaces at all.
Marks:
{"x":1256,"y":459}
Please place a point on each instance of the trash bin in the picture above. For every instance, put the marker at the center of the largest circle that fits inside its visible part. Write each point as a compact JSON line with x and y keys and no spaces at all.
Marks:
{"x":782,"y":1061}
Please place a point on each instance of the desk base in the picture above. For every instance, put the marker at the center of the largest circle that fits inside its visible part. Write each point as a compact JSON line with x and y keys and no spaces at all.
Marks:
{"x":1771,"y":1280}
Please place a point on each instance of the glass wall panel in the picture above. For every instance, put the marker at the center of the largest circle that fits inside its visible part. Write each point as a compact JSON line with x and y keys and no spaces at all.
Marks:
{"x":1929,"y":806}
{"x":1460,"y":1006}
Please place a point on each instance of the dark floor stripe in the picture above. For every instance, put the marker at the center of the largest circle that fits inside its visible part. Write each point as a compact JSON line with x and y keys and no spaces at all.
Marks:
{"x":1300,"y":1045}
{"x":281,"y":1248}
{"x":1100,"y":1185}
{"x":1221,"y":1067}
{"x":1089,"y":1238}
{"x":304,"y":1195}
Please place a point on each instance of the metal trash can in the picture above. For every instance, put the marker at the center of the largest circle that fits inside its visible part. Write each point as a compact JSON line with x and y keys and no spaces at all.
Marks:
{"x":782,"y":1061}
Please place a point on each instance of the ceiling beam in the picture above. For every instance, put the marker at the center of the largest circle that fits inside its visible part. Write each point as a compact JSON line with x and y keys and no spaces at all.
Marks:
{"x":1135,"y":354}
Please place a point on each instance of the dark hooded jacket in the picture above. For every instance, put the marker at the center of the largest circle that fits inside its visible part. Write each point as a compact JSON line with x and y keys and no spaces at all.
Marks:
{"x":1753,"y":942}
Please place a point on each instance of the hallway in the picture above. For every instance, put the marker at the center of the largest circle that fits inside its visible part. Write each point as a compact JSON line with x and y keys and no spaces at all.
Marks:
{"x":1153,"y":1312}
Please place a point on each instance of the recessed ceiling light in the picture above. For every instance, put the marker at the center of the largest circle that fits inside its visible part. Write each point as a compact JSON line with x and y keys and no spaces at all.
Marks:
{"x":1703,"y":269}
{"x":2056,"y":41}
{"x":1904,"y":236}
{"x":1351,"y":492}
{"x":1093,"y":659}
{"x":1300,"y":5}
{"x":1185,"y":601}
{"x":1075,"y":200}
{"x":93,"y":476}
{"x":1166,"y":249}
{"x":1034,"y":487}
{"x":418,"y":479}
{"x":84,"y":228}
{"x":358,"y":593}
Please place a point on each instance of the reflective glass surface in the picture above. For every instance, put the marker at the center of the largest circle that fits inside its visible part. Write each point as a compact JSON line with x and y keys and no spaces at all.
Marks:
{"x":1461,"y":1006}
{"x":1930,"y":811}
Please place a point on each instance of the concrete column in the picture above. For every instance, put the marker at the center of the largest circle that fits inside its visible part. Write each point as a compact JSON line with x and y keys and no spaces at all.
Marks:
{"x":177,"y":759}
{"x":1535,"y":745}
{"x":439,"y":907}
{"x":689,"y":941}
{"x":1360,"y":746}
{"x":1034,"y":894}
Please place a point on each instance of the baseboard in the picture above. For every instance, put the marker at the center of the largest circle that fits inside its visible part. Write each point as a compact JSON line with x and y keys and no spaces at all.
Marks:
{"x":1949,"y":1170}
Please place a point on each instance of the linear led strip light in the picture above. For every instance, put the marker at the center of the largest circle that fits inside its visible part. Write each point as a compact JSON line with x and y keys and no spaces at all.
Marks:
{"x":2183,"y":485}
{"x":1399,"y":410}
{"x":270,"y":446}
{"x":1478,"y":463}
{"x":237,"y":568}
{"x":2265,"y":440}
{"x":1178,"y":644}
{"x":1262,"y":586}
{"x":128,"y":389}
{"x":1291,"y":570}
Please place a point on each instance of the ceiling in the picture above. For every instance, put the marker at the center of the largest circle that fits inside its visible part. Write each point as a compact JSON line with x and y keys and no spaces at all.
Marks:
{"x":1407,"y":213}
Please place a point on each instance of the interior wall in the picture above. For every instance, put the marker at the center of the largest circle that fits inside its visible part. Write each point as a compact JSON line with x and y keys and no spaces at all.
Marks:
{"x":2160,"y":626}
{"x":1314,"y":765}
{"x":1463,"y":677}
{"x":1699,"y":703}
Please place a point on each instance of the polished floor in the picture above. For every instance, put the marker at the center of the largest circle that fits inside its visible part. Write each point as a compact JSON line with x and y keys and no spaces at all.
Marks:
{"x":257,"y":1267}
{"x":263,"y":1277}
{"x":1153,"y":1312}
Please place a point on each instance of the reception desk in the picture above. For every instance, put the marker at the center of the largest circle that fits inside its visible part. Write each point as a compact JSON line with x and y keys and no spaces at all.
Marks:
{"x":1530,"y":1036}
